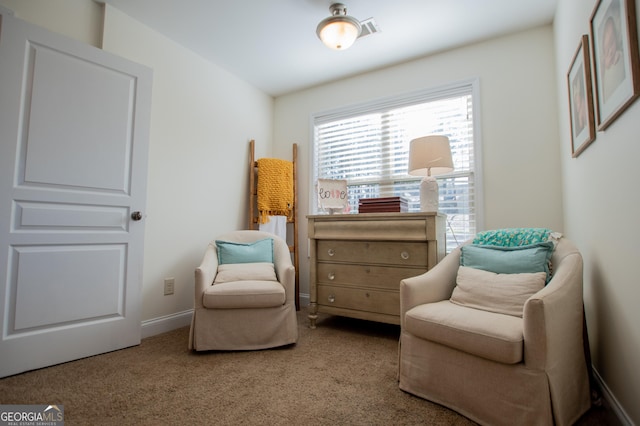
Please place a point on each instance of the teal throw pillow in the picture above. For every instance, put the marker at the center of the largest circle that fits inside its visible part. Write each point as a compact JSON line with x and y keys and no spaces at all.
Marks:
{"x":509,"y":260}
{"x":511,"y":237}
{"x":257,"y":251}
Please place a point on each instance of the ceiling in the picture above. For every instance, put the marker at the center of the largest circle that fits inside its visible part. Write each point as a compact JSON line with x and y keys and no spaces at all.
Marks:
{"x":272,"y":44}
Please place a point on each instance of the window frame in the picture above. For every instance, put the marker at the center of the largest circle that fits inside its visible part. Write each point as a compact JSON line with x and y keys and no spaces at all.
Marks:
{"x":404,"y":100}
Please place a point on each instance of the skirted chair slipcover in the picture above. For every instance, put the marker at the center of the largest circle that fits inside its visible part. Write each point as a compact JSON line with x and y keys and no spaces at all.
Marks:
{"x":243,"y":303}
{"x":490,"y":364}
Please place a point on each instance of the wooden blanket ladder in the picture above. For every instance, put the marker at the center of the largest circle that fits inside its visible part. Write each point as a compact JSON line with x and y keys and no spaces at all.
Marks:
{"x":292,"y":240}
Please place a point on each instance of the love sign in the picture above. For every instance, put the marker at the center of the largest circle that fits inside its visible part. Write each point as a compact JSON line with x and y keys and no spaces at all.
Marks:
{"x":332,"y":195}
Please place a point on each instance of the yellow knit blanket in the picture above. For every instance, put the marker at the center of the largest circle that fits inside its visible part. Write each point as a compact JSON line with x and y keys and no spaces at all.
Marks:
{"x":275,"y":188}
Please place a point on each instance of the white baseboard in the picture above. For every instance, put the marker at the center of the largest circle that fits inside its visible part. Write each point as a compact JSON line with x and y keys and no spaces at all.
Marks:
{"x":166,"y":323}
{"x":615,"y":406}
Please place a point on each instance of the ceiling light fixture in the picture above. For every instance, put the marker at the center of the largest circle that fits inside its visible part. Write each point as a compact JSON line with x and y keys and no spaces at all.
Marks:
{"x":340,"y":30}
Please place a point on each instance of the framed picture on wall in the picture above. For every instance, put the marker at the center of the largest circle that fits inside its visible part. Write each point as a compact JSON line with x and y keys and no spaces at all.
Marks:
{"x":583,"y":128}
{"x":616,"y":63}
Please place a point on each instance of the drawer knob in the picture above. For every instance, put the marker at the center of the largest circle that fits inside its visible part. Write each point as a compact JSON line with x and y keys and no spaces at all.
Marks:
{"x":331,"y":252}
{"x":404,"y":255}
{"x":331,"y":276}
{"x":331,"y":298}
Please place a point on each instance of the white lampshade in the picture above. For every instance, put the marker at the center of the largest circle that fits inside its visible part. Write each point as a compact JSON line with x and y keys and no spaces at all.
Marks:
{"x":340,"y":30}
{"x":429,"y":156}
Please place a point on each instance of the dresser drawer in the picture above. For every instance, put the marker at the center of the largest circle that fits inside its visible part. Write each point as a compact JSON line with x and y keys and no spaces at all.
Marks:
{"x":373,"y":252}
{"x":379,"y":301}
{"x":384,"y":277}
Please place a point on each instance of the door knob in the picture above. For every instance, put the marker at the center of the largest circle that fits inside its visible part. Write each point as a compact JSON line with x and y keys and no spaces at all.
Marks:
{"x":136,"y":215}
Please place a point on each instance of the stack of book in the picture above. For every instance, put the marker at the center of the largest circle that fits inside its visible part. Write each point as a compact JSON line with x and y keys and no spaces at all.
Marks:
{"x":383,"y":205}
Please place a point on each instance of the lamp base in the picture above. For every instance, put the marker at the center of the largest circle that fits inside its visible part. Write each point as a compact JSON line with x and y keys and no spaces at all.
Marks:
{"x":429,"y":194}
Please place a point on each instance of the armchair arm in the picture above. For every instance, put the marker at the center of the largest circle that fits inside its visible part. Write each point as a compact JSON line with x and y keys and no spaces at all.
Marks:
{"x":553,"y":320}
{"x":553,"y":335}
{"x":287,"y":278}
{"x":432,"y":286}
{"x":285,"y":271}
{"x":205,"y":273}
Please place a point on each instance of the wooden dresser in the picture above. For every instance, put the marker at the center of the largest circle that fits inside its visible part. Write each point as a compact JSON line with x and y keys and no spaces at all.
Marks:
{"x":358,"y":260}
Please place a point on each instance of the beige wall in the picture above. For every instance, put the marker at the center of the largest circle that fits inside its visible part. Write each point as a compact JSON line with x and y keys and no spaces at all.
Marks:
{"x":518,"y":123}
{"x":601,"y":211}
{"x":202,"y":118}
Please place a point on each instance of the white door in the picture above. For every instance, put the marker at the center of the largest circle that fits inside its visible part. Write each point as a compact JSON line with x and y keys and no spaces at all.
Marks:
{"x":73,"y":164}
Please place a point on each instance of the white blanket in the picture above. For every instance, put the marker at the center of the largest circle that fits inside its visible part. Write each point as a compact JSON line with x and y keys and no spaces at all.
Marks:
{"x":276,"y":225}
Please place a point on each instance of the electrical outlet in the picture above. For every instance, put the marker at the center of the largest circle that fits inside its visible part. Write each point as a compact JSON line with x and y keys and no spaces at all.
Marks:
{"x":169,"y":284}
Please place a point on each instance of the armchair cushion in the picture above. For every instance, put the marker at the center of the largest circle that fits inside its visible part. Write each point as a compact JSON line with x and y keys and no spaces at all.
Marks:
{"x":235,"y":252}
{"x":244,"y":295}
{"x":509,"y":260}
{"x":501,"y":293}
{"x":259,"y":271}
{"x":485,"y":334}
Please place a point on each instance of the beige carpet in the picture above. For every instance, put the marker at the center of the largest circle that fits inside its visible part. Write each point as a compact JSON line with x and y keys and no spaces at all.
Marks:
{"x":342,"y":373}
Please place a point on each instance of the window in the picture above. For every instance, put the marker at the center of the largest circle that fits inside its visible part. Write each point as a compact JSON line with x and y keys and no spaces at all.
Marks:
{"x":368,"y":145}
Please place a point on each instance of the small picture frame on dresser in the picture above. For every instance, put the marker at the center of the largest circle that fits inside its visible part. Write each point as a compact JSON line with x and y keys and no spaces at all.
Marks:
{"x":332,"y":195}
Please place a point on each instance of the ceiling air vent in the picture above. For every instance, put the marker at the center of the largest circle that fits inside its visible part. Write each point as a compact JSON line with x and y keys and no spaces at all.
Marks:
{"x":369,"y":27}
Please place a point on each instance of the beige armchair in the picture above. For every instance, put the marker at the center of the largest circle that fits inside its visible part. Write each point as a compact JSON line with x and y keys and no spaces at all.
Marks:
{"x":244,"y":306}
{"x":493,"y":368}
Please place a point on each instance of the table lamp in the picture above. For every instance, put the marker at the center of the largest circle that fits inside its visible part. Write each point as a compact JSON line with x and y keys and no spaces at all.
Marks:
{"x":429,"y":156}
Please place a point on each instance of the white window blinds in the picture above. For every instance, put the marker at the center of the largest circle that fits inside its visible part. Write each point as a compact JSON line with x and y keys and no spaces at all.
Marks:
{"x":368,"y":145}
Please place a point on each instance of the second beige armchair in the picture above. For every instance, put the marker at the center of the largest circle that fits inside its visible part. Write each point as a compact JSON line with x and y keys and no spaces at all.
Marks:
{"x":497,"y":368}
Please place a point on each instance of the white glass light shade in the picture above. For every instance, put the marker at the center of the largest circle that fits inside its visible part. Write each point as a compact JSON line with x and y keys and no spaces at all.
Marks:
{"x":340,"y":30}
{"x":338,"y":34}
{"x":429,"y":156}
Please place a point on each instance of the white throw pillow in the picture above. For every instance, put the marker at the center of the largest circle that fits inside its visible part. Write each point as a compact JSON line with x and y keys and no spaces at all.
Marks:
{"x":501,"y":293}
{"x":261,"y":271}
